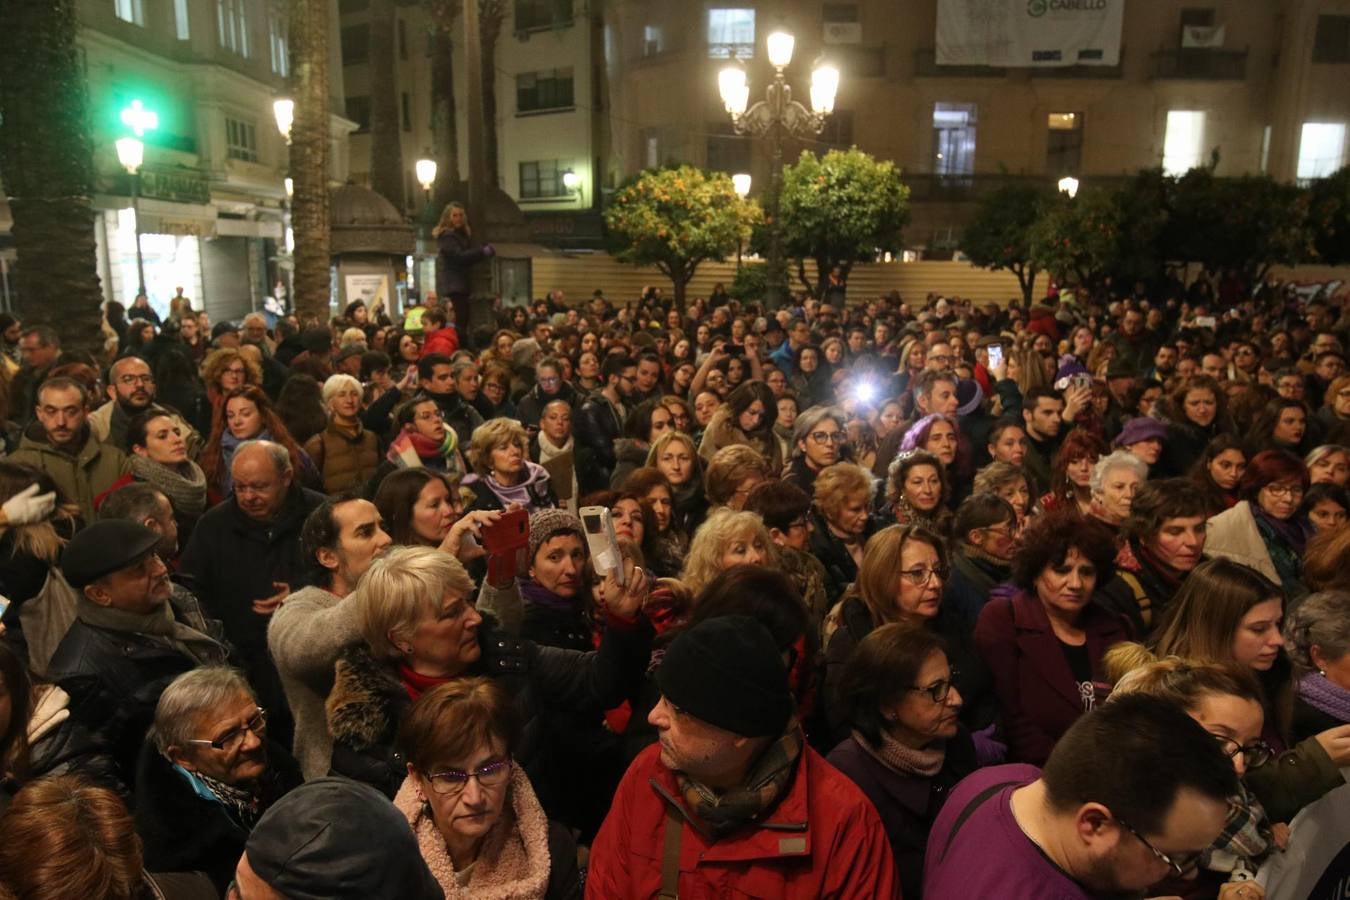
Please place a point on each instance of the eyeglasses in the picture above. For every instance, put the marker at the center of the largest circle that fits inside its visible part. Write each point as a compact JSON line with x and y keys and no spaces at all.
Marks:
{"x":452,"y":782}
{"x":939,"y":690}
{"x":235,"y":370}
{"x":1180,"y":865}
{"x":921,"y":575}
{"x":829,"y":437}
{"x":1256,"y":754}
{"x":429,"y":416}
{"x":1288,"y":490}
{"x":129,"y":380}
{"x":803,"y":522}
{"x":233,"y":738}
{"x":549,"y":379}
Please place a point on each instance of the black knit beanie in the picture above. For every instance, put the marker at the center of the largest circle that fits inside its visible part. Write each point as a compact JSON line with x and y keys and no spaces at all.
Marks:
{"x":728,"y":672}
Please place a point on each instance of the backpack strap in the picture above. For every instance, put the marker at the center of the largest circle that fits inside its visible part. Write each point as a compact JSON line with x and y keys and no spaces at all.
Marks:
{"x":670,"y":856}
{"x":975,"y":803}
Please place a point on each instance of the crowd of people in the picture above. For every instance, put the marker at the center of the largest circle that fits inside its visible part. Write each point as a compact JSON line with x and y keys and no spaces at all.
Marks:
{"x":929,"y":598}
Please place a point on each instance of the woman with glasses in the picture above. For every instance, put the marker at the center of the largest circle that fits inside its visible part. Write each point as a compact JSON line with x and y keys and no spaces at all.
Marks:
{"x":227,"y":370}
{"x":1227,"y":702}
{"x":984,"y":538}
{"x":478,"y":822}
{"x":906,"y":747}
{"x":820,"y":439}
{"x":1264,"y":530}
{"x":1044,"y":645}
{"x":206,"y":774}
{"x":1230,"y":614}
{"x":747,"y":417}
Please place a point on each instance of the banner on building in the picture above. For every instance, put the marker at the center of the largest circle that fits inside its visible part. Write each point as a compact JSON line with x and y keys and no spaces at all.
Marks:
{"x":1208,"y":37}
{"x":1021,"y":33}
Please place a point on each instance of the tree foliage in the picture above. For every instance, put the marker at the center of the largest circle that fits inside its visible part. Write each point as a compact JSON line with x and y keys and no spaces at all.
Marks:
{"x":1329,"y":217}
{"x":1247,"y":223}
{"x":1101,"y":232}
{"x":676,"y":219}
{"x":999,"y":237}
{"x":840,"y":209}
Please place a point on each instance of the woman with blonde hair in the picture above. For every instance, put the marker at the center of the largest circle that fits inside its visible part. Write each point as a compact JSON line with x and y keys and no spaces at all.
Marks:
{"x":728,"y":538}
{"x":843,"y":523}
{"x":345,"y":453}
{"x":733,"y":472}
{"x":456,"y":255}
{"x":676,"y":457}
{"x":502,"y":472}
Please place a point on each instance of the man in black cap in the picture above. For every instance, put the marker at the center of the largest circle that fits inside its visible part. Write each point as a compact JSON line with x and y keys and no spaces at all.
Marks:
{"x":333,"y":839}
{"x":731,"y":796}
{"x":134,"y":632}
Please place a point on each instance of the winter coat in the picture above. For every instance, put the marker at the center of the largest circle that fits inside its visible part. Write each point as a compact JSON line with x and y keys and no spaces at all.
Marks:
{"x":444,"y":341}
{"x":61,"y":745}
{"x":1183,"y":446}
{"x":1138,"y":592}
{"x":184,"y":831}
{"x":722,"y":432}
{"x":822,"y":839}
{"x":81,"y":477}
{"x":368,"y":701}
{"x":907,"y":804}
{"x":109,"y":425}
{"x":840,"y":569}
{"x":1233,"y":535}
{"x":458,"y":415}
{"x":305,"y":637}
{"x":345,"y":458}
{"x":629,"y":456}
{"x":456,"y":256}
{"x":600,"y":425}
{"x":972,"y":578}
{"x":535,"y":491}
{"x":1294,"y":779}
{"x":530,"y":407}
{"x":1037,"y":695}
{"x":114,"y":678}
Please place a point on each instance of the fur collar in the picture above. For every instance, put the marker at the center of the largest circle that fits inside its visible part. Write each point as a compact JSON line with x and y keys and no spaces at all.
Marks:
{"x":367,"y":701}
{"x":514,"y":863}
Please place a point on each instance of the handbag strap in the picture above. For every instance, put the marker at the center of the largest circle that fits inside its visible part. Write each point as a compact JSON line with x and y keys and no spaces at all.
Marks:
{"x":670,"y":856}
{"x":975,"y":803}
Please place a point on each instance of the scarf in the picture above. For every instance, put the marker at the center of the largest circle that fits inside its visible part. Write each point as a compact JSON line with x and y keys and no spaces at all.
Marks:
{"x":535,"y":594}
{"x":1288,"y":532}
{"x":1322,"y":694}
{"x":158,"y":626}
{"x":906,"y":514}
{"x":244,"y":807}
{"x":184,"y":485}
{"x":536,"y":476}
{"x":896,"y":756}
{"x":1245,"y":839}
{"x":417,"y":684}
{"x":1165,"y":573}
{"x":561,"y":465}
{"x":228,"y":444}
{"x":513,"y":861}
{"x":413,"y":450}
{"x":768,"y":779}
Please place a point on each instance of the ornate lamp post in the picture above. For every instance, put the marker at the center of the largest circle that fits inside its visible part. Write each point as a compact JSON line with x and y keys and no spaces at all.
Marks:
{"x":741,"y":183}
{"x":283,"y":111}
{"x":777,"y":116}
{"x":131,"y":153}
{"x":425,"y":170}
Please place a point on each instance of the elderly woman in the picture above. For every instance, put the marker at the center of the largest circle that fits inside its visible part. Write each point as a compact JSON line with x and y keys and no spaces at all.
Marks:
{"x":345,"y":453}
{"x":1329,"y":463}
{"x":206,"y":774}
{"x":421,"y":630}
{"x":1263,"y":531}
{"x":1317,"y":636}
{"x":842,"y":524}
{"x":1115,"y":478}
{"x":676,"y":457}
{"x":819,"y":437}
{"x":747,"y":418}
{"x":733,"y":472}
{"x":1008,"y":482}
{"x":899,"y":697}
{"x":1045,"y":644}
{"x":502,"y":473}
{"x":478,"y":822}
{"x":728,"y":538}
{"x":916,"y":490}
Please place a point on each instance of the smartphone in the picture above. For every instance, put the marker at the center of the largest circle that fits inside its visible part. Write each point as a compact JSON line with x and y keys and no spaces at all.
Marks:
{"x":510,"y":532}
{"x":602,"y":542}
{"x":1206,"y":322}
{"x":4,"y":606}
{"x":995,"y":356}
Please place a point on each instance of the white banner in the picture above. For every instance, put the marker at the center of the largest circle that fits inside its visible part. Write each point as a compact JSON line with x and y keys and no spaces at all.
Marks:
{"x":1021,"y":33}
{"x":1207,"y":36}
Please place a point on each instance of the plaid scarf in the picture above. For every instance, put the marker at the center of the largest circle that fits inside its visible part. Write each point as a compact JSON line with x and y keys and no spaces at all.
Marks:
{"x":764,"y":785}
{"x":1245,"y":839}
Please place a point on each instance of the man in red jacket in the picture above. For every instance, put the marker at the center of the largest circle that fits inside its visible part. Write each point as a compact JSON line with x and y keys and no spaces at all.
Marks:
{"x":732,"y":799}
{"x":441,"y":336}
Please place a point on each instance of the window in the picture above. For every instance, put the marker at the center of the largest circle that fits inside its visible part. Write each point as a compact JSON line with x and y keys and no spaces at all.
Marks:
{"x":653,"y":40}
{"x":651,"y":148}
{"x":358,"y":110}
{"x":1265,"y":150}
{"x":355,"y":44}
{"x":180,"y":19}
{"x":276,"y":39}
{"x":731,"y":33}
{"x":232,"y":25}
{"x":550,"y":89}
{"x":1064,"y":147}
{"x":542,"y":178}
{"x":954,"y":138}
{"x":1183,"y":141}
{"x":402,"y":39}
{"x":407,"y":112}
{"x":241,"y":140}
{"x":132,"y":11}
{"x":536,"y":14}
{"x":1332,"y":42}
{"x":1321,"y":149}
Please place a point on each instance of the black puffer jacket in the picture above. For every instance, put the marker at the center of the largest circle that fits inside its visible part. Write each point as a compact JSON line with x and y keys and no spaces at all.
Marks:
{"x":368,"y":701}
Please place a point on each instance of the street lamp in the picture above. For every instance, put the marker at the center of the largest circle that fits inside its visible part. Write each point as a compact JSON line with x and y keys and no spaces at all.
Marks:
{"x":1068,"y":185}
{"x":425,"y":170}
{"x":572,"y":184}
{"x":777,"y":115}
{"x":283,"y":110}
{"x":131,"y":154}
{"x":740,"y":183}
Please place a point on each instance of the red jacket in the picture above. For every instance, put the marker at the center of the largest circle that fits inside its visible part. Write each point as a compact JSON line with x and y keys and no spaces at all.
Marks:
{"x":442,"y":340}
{"x":824,"y":839}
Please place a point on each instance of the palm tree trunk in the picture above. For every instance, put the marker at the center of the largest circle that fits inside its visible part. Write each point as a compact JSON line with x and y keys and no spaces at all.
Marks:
{"x":386,"y":145}
{"x":444,"y":128}
{"x":492,"y":14}
{"x":46,"y":155}
{"x":309,"y":157}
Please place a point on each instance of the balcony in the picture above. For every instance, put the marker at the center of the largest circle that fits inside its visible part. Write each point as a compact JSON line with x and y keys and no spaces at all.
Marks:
{"x":926,"y":66}
{"x":1198,"y":64}
{"x":1115,"y":72}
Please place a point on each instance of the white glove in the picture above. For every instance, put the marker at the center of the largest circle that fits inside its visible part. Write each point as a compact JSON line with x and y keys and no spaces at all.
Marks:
{"x":27,"y":506}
